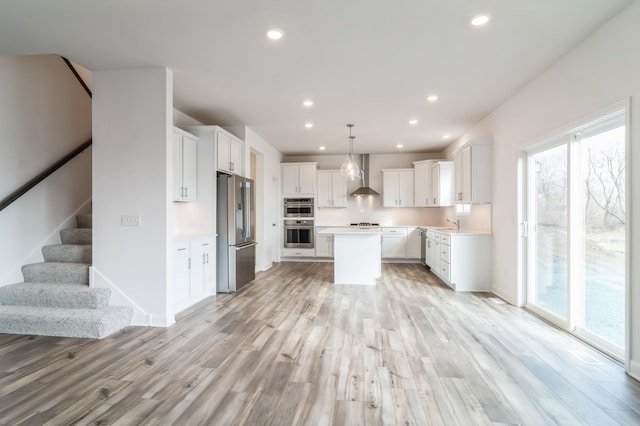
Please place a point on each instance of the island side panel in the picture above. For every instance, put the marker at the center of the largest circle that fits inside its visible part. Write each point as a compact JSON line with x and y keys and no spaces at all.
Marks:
{"x":356,"y":258}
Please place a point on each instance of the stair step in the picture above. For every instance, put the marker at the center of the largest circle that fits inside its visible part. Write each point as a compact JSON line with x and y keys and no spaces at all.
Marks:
{"x":56,"y":272}
{"x":76,"y":236}
{"x":44,"y":321}
{"x":55,"y":295}
{"x":84,"y":220}
{"x":67,"y":253}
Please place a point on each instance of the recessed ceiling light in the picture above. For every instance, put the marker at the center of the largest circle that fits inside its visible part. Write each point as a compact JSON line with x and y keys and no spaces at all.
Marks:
{"x":399,"y":146}
{"x":446,"y":136}
{"x":413,"y":122}
{"x":321,"y":148}
{"x":307,"y":103}
{"x":432,"y":98}
{"x":308,"y":125}
{"x":275,"y":33}
{"x":479,"y":20}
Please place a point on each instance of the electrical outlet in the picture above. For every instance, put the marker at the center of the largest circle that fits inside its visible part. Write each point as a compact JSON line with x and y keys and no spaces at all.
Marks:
{"x":130,"y":220}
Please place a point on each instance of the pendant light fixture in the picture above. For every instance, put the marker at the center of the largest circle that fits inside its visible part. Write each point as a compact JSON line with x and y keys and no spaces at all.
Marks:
{"x":350,"y":168}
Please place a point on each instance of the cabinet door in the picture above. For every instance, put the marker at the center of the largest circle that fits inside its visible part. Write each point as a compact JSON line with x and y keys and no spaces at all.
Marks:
{"x":189,"y":168}
{"x":393,"y":247}
{"x":209,"y":272}
{"x":289,"y":179}
{"x":435,"y":185}
{"x":465,"y":185}
{"x":405,"y":188}
{"x":390,"y":189}
{"x":306,"y":179}
{"x":413,"y":243}
{"x":435,"y":255}
{"x":339,"y":190}
{"x":325,"y":187}
{"x":324,"y":245}
{"x":196,"y":280}
{"x":459,"y":176}
{"x":421,"y":183}
{"x":235,"y":156}
{"x":223,"y":146}
{"x":181,"y":273}
{"x":178,"y":189}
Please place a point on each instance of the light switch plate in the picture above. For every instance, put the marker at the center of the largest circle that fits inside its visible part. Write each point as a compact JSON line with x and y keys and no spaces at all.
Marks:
{"x":130,"y":220}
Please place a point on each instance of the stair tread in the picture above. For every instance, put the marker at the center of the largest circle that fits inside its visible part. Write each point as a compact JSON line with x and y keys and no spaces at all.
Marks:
{"x":68,"y":253}
{"x":47,"y":321}
{"x":62,"y":295}
{"x":58,"y":272}
{"x":76,"y":235}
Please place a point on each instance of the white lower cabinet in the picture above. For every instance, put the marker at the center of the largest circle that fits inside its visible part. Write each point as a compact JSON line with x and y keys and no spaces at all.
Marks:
{"x":462,"y":260}
{"x":413,"y":243}
{"x":324,"y":245}
{"x":394,"y":243}
{"x":193,"y":271}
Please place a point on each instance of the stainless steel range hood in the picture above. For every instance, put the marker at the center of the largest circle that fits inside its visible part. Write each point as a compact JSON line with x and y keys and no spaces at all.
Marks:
{"x":364,"y":189}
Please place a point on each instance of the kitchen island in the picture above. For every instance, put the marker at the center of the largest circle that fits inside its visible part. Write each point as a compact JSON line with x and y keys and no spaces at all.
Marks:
{"x":357,"y":254}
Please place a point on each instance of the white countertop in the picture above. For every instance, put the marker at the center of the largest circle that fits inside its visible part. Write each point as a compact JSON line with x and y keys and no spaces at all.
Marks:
{"x":461,"y":232}
{"x":350,"y":230}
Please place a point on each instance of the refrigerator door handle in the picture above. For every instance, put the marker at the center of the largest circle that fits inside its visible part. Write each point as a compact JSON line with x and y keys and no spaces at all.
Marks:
{"x":238,"y":248}
{"x":247,"y":210}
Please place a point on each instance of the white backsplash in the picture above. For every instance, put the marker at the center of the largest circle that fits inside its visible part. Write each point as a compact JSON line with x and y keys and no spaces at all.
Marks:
{"x":369,"y":209}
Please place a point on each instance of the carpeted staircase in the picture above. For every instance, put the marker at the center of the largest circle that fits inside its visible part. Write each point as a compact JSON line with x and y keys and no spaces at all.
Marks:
{"x":55,"y":299}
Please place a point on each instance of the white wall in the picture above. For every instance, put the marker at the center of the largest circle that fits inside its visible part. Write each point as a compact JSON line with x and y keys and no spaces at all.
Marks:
{"x":370,"y":209}
{"x":600,"y":71}
{"x":44,"y":114}
{"x":132,"y":175}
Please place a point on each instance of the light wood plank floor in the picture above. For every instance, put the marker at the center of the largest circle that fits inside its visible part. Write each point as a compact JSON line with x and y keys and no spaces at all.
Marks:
{"x":293,"y":348}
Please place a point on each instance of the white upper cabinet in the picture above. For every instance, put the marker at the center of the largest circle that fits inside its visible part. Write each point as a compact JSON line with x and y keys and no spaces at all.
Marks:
{"x":422,"y":183}
{"x":299,"y":179}
{"x":442,"y":183}
{"x":184,"y":165}
{"x":474,"y":162}
{"x":332,"y":189}
{"x":397,"y":188}
{"x":228,"y":153}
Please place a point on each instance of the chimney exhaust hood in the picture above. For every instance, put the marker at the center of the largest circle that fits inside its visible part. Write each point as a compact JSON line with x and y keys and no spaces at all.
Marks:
{"x":364,"y":189}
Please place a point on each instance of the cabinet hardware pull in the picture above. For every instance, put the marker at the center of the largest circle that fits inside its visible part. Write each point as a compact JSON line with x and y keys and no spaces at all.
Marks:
{"x":189,"y":267}
{"x":186,"y":192}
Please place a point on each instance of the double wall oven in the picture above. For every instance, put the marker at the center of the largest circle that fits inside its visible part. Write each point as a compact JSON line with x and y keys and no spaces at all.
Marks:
{"x":298,"y":223}
{"x":298,"y":233}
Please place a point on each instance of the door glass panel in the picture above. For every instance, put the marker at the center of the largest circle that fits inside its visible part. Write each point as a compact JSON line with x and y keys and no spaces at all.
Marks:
{"x":550,"y":269}
{"x":603,"y":264}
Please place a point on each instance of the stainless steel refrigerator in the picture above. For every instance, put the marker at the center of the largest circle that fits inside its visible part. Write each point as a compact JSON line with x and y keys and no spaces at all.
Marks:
{"x":236,"y":218}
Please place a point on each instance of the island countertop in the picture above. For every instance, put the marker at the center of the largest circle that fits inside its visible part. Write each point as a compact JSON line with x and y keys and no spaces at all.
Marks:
{"x":351,"y":230}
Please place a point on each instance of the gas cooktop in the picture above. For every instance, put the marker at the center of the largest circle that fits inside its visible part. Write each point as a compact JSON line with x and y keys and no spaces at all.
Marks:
{"x":365,"y":224}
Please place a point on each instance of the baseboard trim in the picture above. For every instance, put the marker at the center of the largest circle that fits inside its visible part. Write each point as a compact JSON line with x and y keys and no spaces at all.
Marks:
{"x":504,"y":297}
{"x":634,"y":370}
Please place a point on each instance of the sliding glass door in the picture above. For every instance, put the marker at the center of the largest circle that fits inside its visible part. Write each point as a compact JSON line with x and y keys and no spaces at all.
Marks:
{"x":549,"y":217}
{"x":577,"y":232}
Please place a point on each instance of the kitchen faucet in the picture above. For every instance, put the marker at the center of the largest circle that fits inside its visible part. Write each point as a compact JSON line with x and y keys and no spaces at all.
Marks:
{"x":456,"y":222}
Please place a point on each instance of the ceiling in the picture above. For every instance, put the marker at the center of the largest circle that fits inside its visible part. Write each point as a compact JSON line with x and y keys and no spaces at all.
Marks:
{"x":371,"y":63}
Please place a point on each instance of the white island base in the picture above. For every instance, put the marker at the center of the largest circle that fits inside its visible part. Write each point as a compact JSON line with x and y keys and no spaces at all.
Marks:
{"x":357,"y":255}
